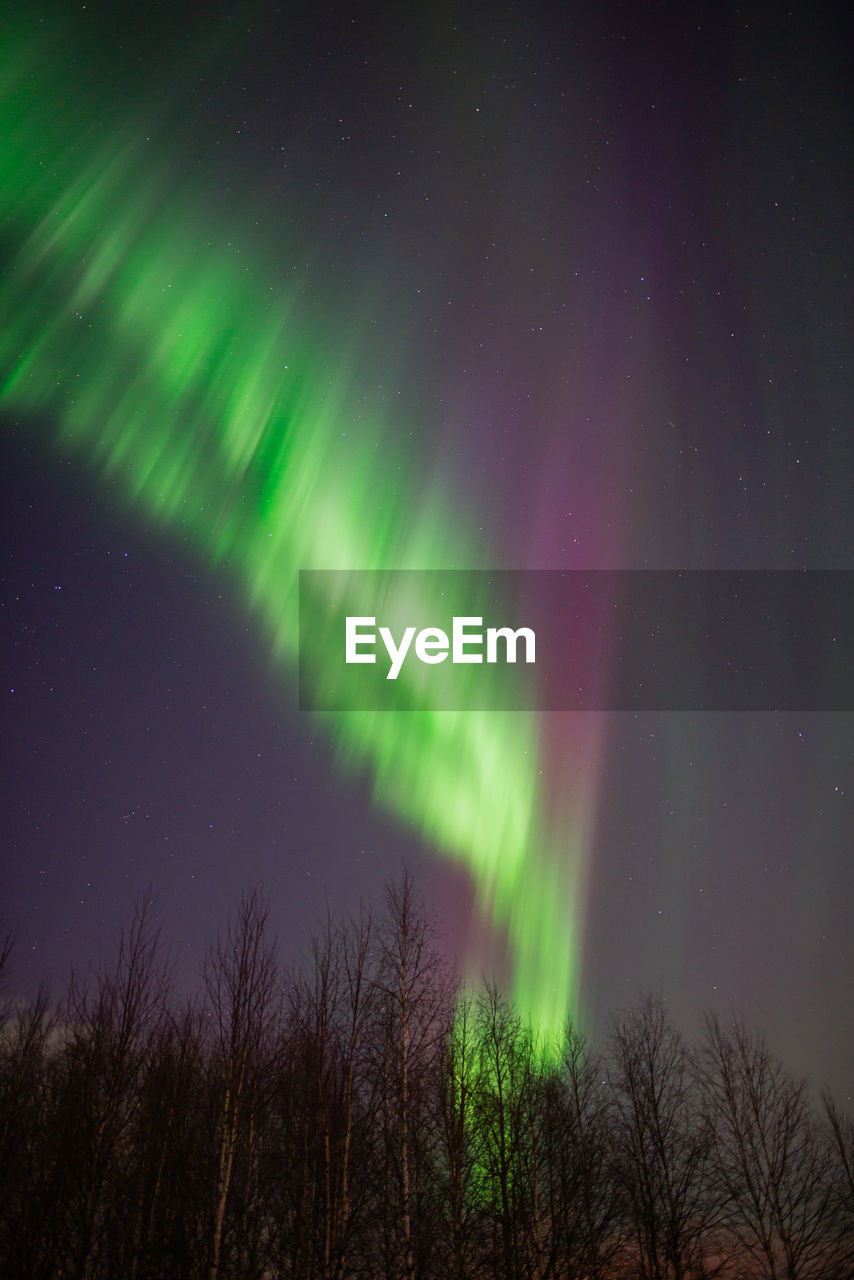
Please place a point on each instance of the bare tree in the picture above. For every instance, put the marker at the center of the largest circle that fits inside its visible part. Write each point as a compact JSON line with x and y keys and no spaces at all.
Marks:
{"x":585,"y":1206}
{"x":357,"y":1010}
{"x":458,"y":1162}
{"x":324,"y":1107}
{"x":171,"y":1155}
{"x":413,"y":990}
{"x":510,"y":1138}
{"x":241,"y":977}
{"x":771,"y":1164}
{"x":7,"y":948}
{"x":24,"y":1074}
{"x":663,"y":1144}
{"x":842,"y":1134}
{"x":372,"y":1131}
{"x":94,"y":1058}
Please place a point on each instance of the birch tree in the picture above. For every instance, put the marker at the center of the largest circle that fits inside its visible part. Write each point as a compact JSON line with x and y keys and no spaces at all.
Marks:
{"x":241,"y":978}
{"x":773,"y":1172}
{"x":413,"y":991}
{"x":663,"y":1144}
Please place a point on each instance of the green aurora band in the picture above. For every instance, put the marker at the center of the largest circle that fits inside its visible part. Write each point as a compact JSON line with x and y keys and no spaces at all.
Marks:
{"x":160,"y":360}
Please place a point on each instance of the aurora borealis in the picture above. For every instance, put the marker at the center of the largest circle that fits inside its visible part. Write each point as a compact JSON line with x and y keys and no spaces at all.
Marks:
{"x":226,"y":430}
{"x":287,"y":290}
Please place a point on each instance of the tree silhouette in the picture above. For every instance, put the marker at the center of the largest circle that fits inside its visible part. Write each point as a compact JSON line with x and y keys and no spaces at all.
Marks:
{"x":364,"y":1119}
{"x":773,"y":1175}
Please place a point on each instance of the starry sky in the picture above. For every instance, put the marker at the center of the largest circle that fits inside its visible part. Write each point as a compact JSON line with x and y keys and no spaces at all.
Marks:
{"x":496,"y":286}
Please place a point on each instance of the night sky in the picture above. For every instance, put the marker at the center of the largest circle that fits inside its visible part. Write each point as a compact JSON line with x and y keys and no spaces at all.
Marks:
{"x":506,"y":286}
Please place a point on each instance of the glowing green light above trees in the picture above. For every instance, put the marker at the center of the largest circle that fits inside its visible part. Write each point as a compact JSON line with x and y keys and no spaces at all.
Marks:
{"x":165,"y":361}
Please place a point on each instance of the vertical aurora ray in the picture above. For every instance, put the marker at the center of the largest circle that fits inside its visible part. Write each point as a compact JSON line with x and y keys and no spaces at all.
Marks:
{"x":223,"y":415}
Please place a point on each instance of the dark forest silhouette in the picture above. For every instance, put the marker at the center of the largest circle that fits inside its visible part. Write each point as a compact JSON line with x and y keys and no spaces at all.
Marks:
{"x":366,"y":1118}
